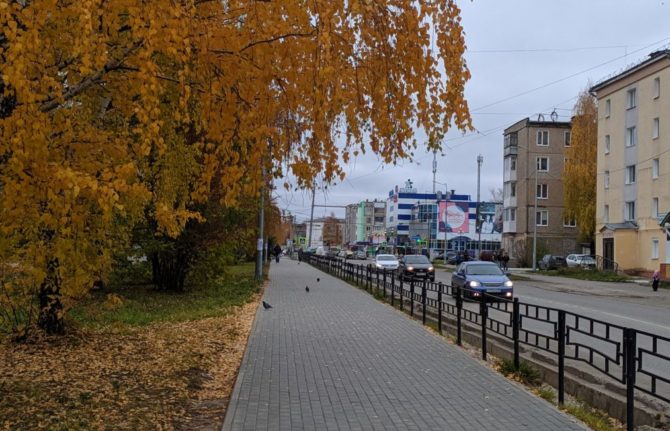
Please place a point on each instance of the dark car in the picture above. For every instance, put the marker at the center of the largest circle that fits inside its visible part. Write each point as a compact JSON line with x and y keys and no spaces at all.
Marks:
{"x":458,"y":258}
{"x":416,"y":266}
{"x":550,"y":261}
{"x":478,"y":277}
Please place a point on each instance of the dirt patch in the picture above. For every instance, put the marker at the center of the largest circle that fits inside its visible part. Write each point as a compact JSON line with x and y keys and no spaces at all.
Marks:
{"x":165,"y":376}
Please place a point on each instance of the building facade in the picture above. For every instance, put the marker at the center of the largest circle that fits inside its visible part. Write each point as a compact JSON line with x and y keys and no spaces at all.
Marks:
{"x":428,"y":220}
{"x":633,"y":166}
{"x":350,"y":223}
{"x":534,"y":158}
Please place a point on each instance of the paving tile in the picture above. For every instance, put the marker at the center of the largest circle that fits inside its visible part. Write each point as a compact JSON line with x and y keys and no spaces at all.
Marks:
{"x":337,"y":359}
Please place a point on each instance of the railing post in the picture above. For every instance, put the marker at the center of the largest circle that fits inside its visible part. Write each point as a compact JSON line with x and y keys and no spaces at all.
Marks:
{"x":402,"y":292}
{"x":384,"y":287}
{"x":483,"y":312}
{"x":377,"y":271}
{"x":630,"y":346}
{"x":439,"y":307}
{"x":423,"y":302}
{"x":516,"y":325}
{"x":459,"y":311}
{"x":561,"y":357}
{"x":392,"y":288}
{"x":411,"y":297}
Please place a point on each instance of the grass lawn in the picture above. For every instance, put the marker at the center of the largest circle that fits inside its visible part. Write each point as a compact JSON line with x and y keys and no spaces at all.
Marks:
{"x":134,"y":359}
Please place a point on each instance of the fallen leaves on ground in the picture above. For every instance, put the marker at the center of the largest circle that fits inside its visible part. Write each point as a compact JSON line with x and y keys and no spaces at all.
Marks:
{"x":164,"y":376}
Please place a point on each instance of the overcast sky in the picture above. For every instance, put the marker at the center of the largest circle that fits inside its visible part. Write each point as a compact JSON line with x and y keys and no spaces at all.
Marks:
{"x":526,"y":57}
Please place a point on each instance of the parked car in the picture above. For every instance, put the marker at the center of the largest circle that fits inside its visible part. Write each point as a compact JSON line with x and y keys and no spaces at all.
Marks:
{"x":459,"y":258}
{"x":416,"y":266}
{"x":478,"y":277}
{"x":550,"y":261}
{"x":580,"y":260}
{"x":440,"y":256}
{"x":387,"y":262}
{"x":345,"y":254}
{"x":361,"y":254}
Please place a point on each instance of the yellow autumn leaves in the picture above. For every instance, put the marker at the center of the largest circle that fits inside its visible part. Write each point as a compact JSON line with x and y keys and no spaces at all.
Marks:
{"x":126,"y":112}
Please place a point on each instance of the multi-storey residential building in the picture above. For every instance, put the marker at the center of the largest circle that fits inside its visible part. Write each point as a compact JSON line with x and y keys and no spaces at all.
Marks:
{"x":534,"y":156}
{"x":350,"y":222}
{"x":633,"y":164}
{"x":365,"y":222}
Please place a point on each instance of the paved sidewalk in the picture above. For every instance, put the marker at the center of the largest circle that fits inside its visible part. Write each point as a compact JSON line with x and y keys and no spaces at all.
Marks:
{"x":337,"y":359}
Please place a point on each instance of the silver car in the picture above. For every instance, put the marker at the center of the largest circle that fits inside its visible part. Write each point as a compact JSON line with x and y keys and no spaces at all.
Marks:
{"x":386,"y":262}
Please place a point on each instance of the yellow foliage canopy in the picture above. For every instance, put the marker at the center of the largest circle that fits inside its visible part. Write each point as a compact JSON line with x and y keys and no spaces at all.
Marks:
{"x":579,"y":176}
{"x":116,"y":112}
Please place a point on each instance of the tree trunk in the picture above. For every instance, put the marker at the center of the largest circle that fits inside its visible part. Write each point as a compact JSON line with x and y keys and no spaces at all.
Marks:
{"x":51,"y":308}
{"x":169,"y":269}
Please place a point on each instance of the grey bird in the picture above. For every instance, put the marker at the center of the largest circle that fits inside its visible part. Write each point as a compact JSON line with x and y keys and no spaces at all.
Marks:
{"x":318,"y":279}
{"x":306,"y":288}
{"x":266,"y":305}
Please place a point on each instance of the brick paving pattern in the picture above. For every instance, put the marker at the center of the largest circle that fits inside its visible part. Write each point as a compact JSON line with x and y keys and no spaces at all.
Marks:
{"x":337,"y":359}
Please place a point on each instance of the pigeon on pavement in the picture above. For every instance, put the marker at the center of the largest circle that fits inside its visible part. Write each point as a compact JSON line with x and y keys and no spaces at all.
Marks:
{"x":266,"y":305}
{"x":306,"y":288}
{"x":318,"y":279}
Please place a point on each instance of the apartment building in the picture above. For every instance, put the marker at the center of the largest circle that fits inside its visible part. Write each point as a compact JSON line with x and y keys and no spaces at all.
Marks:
{"x":534,"y":159}
{"x":633,"y":164}
{"x":350,"y":222}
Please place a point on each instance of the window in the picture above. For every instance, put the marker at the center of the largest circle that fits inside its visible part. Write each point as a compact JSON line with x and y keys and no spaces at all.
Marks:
{"x":606,"y":179}
{"x":542,"y":218}
{"x":654,"y":207}
{"x":570,"y":222}
{"x":657,"y":88}
{"x":512,"y":164}
{"x":629,"y":211}
{"x":608,"y":107}
{"x":512,"y":190}
{"x":543,"y":138}
{"x":655,"y":128}
{"x":631,"y":98}
{"x":654,"y":169}
{"x":631,"y":136}
{"x":543,"y":164}
{"x":512,"y":214}
{"x":606,"y":214}
{"x":391,"y":218}
{"x":654,"y":248}
{"x":542,"y":191}
{"x":607,"y":144}
{"x":630,"y":174}
{"x":566,"y":138}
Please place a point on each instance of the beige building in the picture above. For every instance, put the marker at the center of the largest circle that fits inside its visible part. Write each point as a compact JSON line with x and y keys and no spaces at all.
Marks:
{"x":534,"y":156}
{"x":633,"y":188}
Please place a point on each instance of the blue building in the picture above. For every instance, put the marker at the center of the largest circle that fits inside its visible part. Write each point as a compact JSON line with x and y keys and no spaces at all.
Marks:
{"x":427,"y":220}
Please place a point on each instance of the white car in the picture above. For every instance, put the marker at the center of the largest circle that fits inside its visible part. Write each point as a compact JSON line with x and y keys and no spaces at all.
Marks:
{"x":580,"y":260}
{"x":386,"y":261}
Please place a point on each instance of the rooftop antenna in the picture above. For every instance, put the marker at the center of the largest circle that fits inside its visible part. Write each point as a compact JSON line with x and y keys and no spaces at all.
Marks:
{"x":554,"y":115}
{"x":540,"y":117}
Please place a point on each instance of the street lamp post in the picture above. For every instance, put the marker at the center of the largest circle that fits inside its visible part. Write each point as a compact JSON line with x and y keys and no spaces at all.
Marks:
{"x":480,"y":160}
{"x":534,"y":257}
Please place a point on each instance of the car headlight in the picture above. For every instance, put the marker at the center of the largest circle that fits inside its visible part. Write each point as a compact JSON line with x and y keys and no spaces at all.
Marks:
{"x":410,"y":268}
{"x":475,"y":283}
{"x":378,"y":266}
{"x":508,"y":294}
{"x":509,"y":283}
{"x":430,"y":268}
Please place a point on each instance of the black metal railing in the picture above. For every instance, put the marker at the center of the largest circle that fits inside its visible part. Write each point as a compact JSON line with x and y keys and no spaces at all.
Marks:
{"x":637,"y":359}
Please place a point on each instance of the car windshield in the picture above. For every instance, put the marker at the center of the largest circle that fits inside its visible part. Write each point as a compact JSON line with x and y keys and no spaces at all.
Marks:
{"x":416,"y":259}
{"x":386,"y":257}
{"x":483,"y":270}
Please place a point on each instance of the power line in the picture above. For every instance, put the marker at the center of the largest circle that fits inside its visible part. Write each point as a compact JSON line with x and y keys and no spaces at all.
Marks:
{"x":523,"y":93}
{"x":585,"y":48}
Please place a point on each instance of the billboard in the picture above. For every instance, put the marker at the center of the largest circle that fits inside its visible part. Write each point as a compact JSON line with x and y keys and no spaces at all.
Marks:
{"x":453,"y":217}
{"x":489,"y":212}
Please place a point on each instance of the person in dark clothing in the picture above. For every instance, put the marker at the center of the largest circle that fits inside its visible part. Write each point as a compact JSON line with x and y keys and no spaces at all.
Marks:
{"x":277,"y":251}
{"x":655,"y":279}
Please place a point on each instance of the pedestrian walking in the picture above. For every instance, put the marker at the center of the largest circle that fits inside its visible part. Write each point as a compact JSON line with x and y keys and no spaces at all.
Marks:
{"x":505,"y":260}
{"x":655,"y":279}
{"x":299,"y":255}
{"x":277,"y":251}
